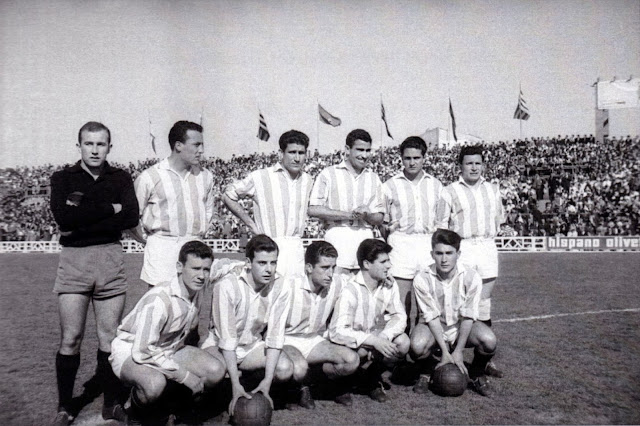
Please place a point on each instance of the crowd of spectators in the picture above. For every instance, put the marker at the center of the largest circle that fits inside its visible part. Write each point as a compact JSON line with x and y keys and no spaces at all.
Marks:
{"x":566,"y":185}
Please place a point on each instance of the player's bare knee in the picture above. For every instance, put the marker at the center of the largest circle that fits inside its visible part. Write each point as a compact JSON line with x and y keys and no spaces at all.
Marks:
{"x":488,"y":341}
{"x":419,"y":346}
{"x":300,"y":370}
{"x":403,"y":344}
{"x":214,"y":373}
{"x":151,"y":387}
{"x":284,"y":369}
{"x":70,"y":342}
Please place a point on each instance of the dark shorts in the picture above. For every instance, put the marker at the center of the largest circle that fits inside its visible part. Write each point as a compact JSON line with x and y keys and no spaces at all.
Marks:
{"x":95,"y":270}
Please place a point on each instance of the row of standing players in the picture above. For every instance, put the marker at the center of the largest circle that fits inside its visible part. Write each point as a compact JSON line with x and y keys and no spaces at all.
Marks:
{"x":172,"y":203}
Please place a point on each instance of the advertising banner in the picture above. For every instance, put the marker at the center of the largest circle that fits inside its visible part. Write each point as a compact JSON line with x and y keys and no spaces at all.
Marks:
{"x":559,"y":243}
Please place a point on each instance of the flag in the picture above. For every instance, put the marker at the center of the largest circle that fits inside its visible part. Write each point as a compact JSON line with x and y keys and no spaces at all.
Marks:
{"x":522,"y":112}
{"x":153,"y":143}
{"x":453,"y":121}
{"x":384,"y":118}
{"x":327,"y":118}
{"x":263,"y":132}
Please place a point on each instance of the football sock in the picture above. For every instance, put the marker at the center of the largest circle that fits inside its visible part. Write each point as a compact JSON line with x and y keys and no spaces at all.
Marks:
{"x":111,"y":383}
{"x":66,"y":370}
{"x":480,"y":360}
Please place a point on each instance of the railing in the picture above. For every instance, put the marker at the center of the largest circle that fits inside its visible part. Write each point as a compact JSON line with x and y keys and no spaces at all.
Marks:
{"x":504,"y":244}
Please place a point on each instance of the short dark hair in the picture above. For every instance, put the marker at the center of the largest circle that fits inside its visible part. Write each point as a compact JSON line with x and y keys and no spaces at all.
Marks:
{"x":445,"y":236}
{"x":195,"y":248}
{"x":369,"y":250}
{"x":413,"y":142}
{"x":357,"y":134}
{"x":260,"y":243}
{"x":317,"y":249}
{"x":470,"y":150}
{"x":94,"y":126}
{"x":178,"y":132}
{"x":293,"y":136}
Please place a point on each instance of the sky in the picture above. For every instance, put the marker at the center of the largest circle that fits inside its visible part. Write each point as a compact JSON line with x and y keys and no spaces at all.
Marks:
{"x":139,"y":66}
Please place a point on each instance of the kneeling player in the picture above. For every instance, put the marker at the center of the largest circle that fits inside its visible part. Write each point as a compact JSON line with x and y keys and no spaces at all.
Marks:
{"x":448,"y":295}
{"x":313,"y":298}
{"x":370,"y":317}
{"x":149,"y":348}
{"x":243,"y":306}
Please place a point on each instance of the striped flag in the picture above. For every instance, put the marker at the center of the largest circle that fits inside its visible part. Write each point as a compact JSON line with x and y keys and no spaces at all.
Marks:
{"x":384,"y":118}
{"x":453,"y":121}
{"x":327,"y":118}
{"x":263,"y":132}
{"x":522,"y":112}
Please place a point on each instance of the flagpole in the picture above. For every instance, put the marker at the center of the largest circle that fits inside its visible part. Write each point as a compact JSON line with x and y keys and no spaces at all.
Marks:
{"x":317,"y":127}
{"x":381,"y":143}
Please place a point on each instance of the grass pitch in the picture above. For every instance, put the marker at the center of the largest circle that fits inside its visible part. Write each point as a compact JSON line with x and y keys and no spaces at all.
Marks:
{"x":569,"y":341}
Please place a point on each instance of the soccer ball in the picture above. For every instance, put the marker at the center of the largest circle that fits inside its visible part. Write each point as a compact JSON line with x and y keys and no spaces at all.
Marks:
{"x":256,"y":411}
{"x":448,"y":380}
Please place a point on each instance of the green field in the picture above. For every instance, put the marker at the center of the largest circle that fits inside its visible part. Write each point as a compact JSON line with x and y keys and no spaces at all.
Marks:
{"x":581,"y":368}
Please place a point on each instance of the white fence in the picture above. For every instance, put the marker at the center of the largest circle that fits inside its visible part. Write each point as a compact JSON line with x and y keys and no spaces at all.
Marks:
{"x":511,"y":244}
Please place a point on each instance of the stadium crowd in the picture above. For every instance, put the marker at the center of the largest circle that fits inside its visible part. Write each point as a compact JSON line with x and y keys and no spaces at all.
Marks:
{"x":565,"y":185}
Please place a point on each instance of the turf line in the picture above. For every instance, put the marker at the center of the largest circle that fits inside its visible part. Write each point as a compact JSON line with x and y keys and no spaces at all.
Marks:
{"x":537,"y":317}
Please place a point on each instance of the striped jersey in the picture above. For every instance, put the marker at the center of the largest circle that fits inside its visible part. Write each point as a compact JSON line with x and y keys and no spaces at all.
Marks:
{"x":279,"y":202}
{"x":451,"y":301}
{"x":472,"y":212}
{"x":239,"y":314}
{"x":359,"y":312}
{"x":172,"y":205}
{"x":158,"y":326}
{"x":310,"y":311}
{"x":159,"y":323}
{"x":412,"y":205}
{"x":338,"y":189}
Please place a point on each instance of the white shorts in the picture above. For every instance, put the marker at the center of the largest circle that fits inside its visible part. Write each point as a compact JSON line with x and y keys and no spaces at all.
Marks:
{"x":241,"y":351}
{"x":120,"y":351}
{"x":346,"y":240}
{"x":160,"y":257}
{"x":480,"y":254}
{"x":304,"y":344}
{"x":290,"y":255}
{"x":411,"y":253}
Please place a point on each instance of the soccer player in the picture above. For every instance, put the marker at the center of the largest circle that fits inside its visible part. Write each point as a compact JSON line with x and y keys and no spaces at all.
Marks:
{"x":280,"y":197}
{"x":92,"y":202}
{"x":243,"y":306}
{"x":370,"y":318}
{"x":149,"y":349}
{"x":411,"y":197}
{"x":313,"y":298}
{"x":348,"y":198}
{"x":176,"y":203}
{"x":448,"y":294}
{"x":472,"y":208}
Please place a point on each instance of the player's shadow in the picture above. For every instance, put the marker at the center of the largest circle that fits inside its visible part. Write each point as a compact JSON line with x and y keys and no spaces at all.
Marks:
{"x":92,"y":389}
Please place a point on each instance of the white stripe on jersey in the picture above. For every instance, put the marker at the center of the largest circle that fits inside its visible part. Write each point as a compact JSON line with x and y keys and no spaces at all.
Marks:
{"x":472,"y":212}
{"x":309,"y":311}
{"x":279,"y":202}
{"x":413,"y":206}
{"x":172,"y":205}
{"x":337,"y":189}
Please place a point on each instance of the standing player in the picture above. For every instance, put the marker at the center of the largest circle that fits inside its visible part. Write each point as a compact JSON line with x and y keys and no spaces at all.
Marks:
{"x":92,"y":203}
{"x":280,"y":197}
{"x":176,"y":203}
{"x":348,"y":198}
{"x":448,"y":294}
{"x":411,"y":197}
{"x":370,"y":318}
{"x":313,"y":298}
{"x":149,"y":349}
{"x":472,"y":208}
{"x":243,"y":306}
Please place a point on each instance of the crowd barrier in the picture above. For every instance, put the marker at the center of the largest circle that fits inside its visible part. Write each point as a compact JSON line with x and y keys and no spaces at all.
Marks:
{"x":504,"y":244}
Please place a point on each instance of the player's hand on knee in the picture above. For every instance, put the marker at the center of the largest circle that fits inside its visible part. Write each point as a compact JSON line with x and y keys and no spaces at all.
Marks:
{"x":193,"y":382}
{"x":385,"y":347}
